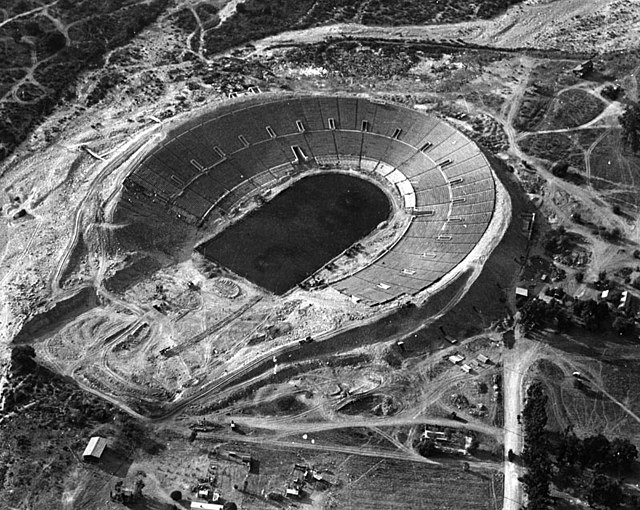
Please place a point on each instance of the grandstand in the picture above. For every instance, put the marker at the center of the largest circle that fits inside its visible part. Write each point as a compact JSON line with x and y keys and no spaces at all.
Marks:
{"x":208,"y":164}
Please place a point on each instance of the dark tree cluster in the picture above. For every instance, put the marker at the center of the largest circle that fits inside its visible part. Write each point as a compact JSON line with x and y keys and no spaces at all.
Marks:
{"x":536,"y":449}
{"x":560,"y":241}
{"x":586,"y":465}
{"x":630,"y":122}
{"x":595,"y":314}
{"x":536,"y":313}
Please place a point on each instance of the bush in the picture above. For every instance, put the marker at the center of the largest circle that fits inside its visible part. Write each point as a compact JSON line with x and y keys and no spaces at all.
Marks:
{"x":560,"y":169}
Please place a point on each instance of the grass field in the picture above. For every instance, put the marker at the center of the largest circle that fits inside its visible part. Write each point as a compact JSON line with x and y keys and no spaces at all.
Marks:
{"x":572,"y":108}
{"x":612,"y":162}
{"x":609,"y":371}
{"x":553,"y":147}
{"x":389,"y":484}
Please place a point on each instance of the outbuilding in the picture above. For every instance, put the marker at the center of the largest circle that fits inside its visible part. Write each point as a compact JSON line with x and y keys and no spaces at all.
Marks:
{"x":197,"y":505}
{"x":293,"y":492}
{"x":94,"y":449}
{"x":483,"y":359}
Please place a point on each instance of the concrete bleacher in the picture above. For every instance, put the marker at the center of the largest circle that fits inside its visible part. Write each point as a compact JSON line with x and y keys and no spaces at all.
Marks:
{"x":209,"y":163}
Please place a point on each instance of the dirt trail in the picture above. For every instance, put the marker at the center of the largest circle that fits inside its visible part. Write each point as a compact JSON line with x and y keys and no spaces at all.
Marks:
{"x":27,"y":13}
{"x":306,"y":427}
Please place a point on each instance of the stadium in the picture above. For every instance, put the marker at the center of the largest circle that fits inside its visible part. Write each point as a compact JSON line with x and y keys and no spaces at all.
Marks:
{"x":440,"y":180}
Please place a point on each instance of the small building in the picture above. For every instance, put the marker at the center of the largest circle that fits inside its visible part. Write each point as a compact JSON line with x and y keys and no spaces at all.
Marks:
{"x":94,"y":449}
{"x":456,"y":358}
{"x":293,"y":492}
{"x":483,"y":359}
{"x":522,"y":292}
{"x":605,"y":294}
{"x":584,"y":68}
{"x":198,"y":505}
{"x":466,"y":368}
{"x":625,"y":301}
{"x":204,"y":494}
{"x":436,"y":435}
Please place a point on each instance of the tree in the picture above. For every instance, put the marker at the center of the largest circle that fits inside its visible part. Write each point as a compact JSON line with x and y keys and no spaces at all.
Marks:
{"x":427,"y":447}
{"x":22,"y":357}
{"x":622,"y":325}
{"x":605,"y":492}
{"x":536,"y":449}
{"x":596,"y":450}
{"x":560,"y":169}
{"x":176,"y":496}
{"x":137,"y":490}
{"x":579,"y":276}
{"x":623,"y":454}
{"x":630,"y":122}
{"x":569,"y":450}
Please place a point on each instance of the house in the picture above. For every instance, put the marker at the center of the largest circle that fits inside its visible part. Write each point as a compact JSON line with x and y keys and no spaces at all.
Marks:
{"x":197,"y":505}
{"x":94,"y":449}
{"x":522,"y":292}
{"x":466,"y":368}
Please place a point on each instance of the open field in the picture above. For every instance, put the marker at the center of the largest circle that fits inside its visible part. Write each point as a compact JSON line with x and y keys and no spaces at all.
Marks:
{"x":572,"y":108}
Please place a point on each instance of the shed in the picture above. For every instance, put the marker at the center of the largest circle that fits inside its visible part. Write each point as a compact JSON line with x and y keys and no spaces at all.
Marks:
{"x":483,"y":359}
{"x":625,"y":300}
{"x":466,"y":368}
{"x":456,"y":358}
{"x":583,"y":68}
{"x":292,"y":491}
{"x":197,"y":505}
{"x":94,"y":449}
{"x":522,"y":292}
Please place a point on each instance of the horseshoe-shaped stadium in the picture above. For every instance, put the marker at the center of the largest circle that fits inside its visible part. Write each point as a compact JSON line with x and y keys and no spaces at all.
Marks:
{"x":208,"y":164}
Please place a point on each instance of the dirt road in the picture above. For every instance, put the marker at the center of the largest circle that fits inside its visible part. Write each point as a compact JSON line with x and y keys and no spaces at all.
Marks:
{"x":516,"y":362}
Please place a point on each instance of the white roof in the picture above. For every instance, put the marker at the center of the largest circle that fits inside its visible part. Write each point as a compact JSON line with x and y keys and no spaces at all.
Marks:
{"x":521,"y":292}
{"x":95,"y":447}
{"x":205,"y":506}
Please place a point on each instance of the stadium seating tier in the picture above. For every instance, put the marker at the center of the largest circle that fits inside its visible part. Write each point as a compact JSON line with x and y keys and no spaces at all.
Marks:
{"x":220,"y":156}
